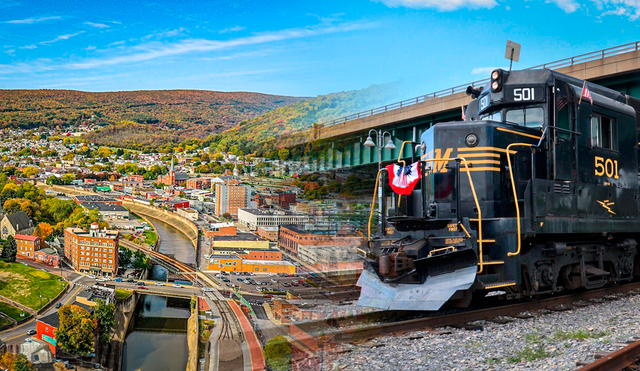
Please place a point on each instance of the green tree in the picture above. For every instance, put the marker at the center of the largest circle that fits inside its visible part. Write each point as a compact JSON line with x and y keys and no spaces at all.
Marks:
{"x":283,"y":154}
{"x":125,"y":257}
{"x":9,"y":250}
{"x":75,"y":334}
{"x":277,"y":353}
{"x":104,"y":314}
{"x":141,"y":261}
{"x":22,"y":364}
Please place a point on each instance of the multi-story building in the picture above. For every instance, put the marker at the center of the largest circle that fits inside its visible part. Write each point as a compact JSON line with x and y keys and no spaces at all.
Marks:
{"x":292,"y":236}
{"x":27,"y":245}
{"x":254,"y":218}
{"x":108,"y":211}
{"x":269,"y":233}
{"x":94,"y":251}
{"x":229,"y":198}
{"x":283,"y":199}
{"x":220,"y":229}
{"x":198,"y":183}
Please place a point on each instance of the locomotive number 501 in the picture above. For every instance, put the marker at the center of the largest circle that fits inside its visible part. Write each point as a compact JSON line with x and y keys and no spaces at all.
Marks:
{"x":606,"y":167}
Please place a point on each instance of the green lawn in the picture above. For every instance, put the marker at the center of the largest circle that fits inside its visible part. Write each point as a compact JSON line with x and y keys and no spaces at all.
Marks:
{"x":12,"y":311}
{"x":25,"y":284}
{"x":150,"y":237}
{"x":4,"y":321}
{"x":122,"y":294}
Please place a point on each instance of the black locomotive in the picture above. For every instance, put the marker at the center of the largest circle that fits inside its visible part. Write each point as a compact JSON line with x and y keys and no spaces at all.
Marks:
{"x":534,"y":193}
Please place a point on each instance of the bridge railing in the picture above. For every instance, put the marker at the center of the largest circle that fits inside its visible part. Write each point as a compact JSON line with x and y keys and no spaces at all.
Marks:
{"x":592,"y":56}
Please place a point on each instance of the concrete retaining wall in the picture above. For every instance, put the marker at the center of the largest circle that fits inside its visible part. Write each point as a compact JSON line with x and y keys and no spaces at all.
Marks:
{"x":111,"y":354}
{"x":192,"y":339}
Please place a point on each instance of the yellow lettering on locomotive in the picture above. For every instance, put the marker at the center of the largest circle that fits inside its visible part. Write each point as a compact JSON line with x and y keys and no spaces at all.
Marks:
{"x":453,"y":241}
{"x":606,"y":167}
{"x":452,"y":227}
{"x":439,"y":166}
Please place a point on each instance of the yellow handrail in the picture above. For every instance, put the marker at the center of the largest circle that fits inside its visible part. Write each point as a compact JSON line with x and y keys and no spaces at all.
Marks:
{"x":515,"y":193}
{"x":475,"y":199}
{"x":452,"y":248}
{"x":373,"y":205}
{"x":403,"y":163}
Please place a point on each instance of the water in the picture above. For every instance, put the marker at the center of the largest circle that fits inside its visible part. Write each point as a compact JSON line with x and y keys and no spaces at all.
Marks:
{"x":173,"y":243}
{"x":158,"y":340}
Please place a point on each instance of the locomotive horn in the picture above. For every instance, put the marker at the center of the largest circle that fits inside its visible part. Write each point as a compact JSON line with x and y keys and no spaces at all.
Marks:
{"x":474,"y":93}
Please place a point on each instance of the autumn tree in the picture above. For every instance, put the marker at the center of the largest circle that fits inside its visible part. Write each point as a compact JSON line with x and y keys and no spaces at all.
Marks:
{"x":75,"y":334}
{"x":7,"y":360}
{"x":277,"y":353}
{"x":30,"y":171}
{"x":43,"y":230}
{"x":9,"y":250}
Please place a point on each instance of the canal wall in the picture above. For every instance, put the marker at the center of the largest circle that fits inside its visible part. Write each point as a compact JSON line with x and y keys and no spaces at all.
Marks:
{"x":69,"y":190}
{"x":184,"y":225}
{"x":111,"y":353}
{"x":192,"y":336}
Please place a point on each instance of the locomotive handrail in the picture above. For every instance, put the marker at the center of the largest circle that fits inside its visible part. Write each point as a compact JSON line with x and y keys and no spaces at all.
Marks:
{"x":475,"y":199}
{"x":373,"y":204}
{"x":515,"y":193}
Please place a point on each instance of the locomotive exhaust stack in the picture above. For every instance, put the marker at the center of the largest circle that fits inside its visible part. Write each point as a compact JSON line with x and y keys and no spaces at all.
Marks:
{"x":535,"y":192}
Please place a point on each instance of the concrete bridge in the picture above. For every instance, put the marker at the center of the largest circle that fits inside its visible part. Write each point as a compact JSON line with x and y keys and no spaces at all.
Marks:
{"x":338,"y":144}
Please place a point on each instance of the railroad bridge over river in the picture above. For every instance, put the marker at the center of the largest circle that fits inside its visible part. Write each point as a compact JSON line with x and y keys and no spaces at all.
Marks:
{"x":339,"y":144}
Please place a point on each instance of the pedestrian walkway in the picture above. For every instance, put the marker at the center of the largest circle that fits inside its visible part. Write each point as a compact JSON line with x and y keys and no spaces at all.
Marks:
{"x":257,"y":359}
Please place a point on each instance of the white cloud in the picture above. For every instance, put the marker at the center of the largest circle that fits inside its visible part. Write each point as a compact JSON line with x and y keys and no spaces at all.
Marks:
{"x":60,"y":38}
{"x":90,"y":47}
{"x":568,"y":6}
{"x":32,"y":20}
{"x":627,"y":8}
{"x":96,"y":25}
{"x":440,"y":4}
{"x":232,"y":29}
{"x":484,"y":70}
{"x":32,"y":46}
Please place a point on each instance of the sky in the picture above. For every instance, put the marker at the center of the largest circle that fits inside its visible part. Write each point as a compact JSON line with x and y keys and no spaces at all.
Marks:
{"x":293,"y":47}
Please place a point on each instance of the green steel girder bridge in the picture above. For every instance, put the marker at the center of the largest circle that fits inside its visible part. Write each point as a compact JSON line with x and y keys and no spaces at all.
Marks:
{"x":339,"y":144}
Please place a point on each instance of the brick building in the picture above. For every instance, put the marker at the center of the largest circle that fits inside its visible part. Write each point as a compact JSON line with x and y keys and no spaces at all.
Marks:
{"x":228,"y":198}
{"x":27,"y":245}
{"x":94,"y":251}
{"x":291,"y":236}
{"x":220,"y":229}
{"x":198,"y":183}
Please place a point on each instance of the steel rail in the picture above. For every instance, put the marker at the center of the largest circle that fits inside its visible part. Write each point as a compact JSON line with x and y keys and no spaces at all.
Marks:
{"x":616,"y":361}
{"x":384,"y":329}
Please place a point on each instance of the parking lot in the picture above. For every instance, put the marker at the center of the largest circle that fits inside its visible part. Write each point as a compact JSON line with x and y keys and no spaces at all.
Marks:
{"x":250,"y":283}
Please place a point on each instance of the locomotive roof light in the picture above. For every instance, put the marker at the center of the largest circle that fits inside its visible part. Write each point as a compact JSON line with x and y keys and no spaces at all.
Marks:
{"x":424,"y":148}
{"x":471,"y":140}
{"x":473,"y":92}
{"x":496,"y":81}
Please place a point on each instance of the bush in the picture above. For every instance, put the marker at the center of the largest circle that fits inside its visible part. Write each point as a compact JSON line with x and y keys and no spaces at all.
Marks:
{"x":277,"y":353}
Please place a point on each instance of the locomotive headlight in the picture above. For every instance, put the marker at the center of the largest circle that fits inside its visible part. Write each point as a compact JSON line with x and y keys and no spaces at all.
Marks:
{"x":471,"y":140}
{"x":495,"y":86}
{"x":496,"y":81}
{"x":495,"y":75}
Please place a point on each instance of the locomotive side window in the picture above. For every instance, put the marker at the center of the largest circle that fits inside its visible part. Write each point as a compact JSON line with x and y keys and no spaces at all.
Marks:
{"x":563,"y":118}
{"x":604,"y":133}
{"x":529,"y":117}
{"x":493,"y":116}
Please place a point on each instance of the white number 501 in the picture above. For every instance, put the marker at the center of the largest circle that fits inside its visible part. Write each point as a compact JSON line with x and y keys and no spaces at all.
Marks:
{"x":521,"y":94}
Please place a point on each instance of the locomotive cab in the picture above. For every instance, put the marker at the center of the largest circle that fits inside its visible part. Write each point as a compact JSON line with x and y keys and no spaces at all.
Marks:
{"x":535,"y":192}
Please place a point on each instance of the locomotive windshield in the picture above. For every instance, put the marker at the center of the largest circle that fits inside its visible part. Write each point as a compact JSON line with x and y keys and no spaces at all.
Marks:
{"x":531,"y":117}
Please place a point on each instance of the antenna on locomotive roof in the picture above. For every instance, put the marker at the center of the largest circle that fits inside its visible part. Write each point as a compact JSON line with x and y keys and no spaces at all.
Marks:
{"x":512,"y":53}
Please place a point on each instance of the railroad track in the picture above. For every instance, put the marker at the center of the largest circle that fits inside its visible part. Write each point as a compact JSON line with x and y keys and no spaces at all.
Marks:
{"x":628,"y":357}
{"x":347,"y":331}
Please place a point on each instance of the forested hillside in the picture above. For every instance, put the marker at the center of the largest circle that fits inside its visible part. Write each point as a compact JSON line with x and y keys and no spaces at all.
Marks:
{"x":190,"y":113}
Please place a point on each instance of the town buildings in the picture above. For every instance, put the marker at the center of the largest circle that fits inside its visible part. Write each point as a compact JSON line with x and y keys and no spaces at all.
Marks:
{"x":254,"y":218}
{"x":173,"y":178}
{"x":229,"y":198}
{"x":108,"y":211}
{"x":292,"y":236}
{"x":94,"y":251}
{"x":16,"y":223}
{"x":27,"y":245}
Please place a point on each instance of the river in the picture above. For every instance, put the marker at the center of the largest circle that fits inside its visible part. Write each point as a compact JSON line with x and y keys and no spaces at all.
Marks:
{"x":174,"y":243}
{"x":157,"y":340}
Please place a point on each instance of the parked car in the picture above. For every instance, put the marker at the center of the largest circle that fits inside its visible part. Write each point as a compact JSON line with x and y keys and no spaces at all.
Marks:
{"x":140,"y":283}
{"x":294,"y":283}
{"x":131,"y":280}
{"x":58,"y":305}
{"x":300,"y":281}
{"x":118,"y":279}
{"x":285,"y":284}
{"x":88,"y":276}
{"x":142,"y":287}
{"x":274,"y":280}
{"x":259,"y":289}
{"x":176,"y":285}
{"x":240,"y":279}
{"x":31,"y":331}
{"x":159,"y":284}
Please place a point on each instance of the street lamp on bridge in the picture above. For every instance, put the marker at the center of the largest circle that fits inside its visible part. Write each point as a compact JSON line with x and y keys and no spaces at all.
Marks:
{"x":380,"y":135}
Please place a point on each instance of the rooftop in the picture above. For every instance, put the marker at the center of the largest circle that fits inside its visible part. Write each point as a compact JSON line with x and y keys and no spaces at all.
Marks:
{"x":266,"y":212}
{"x":239,"y":237}
{"x":93,"y":198}
{"x":26,"y":237}
{"x":101,"y":206}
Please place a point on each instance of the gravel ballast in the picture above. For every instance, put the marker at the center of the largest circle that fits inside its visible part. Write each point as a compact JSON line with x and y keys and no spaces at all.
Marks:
{"x":553,"y":341}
